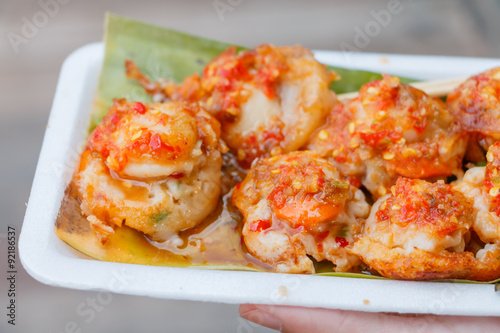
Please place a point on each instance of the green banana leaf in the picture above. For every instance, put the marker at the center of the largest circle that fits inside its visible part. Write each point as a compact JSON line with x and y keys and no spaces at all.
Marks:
{"x":367,"y":276}
{"x":352,"y":80}
{"x":165,"y":53}
{"x":159,"y":53}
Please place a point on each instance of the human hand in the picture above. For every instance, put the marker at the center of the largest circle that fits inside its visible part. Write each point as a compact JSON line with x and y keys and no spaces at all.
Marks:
{"x":292,"y":319}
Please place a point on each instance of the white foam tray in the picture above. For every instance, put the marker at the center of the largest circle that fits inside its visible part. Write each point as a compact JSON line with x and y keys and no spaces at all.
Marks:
{"x":51,"y":261}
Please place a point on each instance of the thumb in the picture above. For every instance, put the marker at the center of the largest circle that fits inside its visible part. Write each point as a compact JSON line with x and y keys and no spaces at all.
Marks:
{"x":292,"y":319}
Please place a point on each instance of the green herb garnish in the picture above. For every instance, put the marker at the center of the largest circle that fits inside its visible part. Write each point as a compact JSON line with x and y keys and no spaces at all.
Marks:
{"x":158,"y":217}
{"x":337,"y":183}
{"x":343,"y":232}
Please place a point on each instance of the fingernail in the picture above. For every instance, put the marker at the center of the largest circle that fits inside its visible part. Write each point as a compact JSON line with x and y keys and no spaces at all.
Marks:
{"x":262,"y":318}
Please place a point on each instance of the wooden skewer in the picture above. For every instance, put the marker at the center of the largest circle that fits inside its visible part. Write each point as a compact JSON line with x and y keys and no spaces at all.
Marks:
{"x":436,"y":88}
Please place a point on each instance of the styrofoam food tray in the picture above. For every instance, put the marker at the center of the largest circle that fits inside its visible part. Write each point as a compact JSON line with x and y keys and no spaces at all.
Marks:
{"x":51,"y":261}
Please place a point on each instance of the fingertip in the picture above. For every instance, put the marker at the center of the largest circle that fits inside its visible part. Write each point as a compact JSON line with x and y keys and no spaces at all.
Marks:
{"x":257,"y":315}
{"x":244,"y":308}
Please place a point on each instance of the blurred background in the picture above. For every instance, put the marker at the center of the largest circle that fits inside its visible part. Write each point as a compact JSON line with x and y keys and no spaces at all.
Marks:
{"x":28,"y":75}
